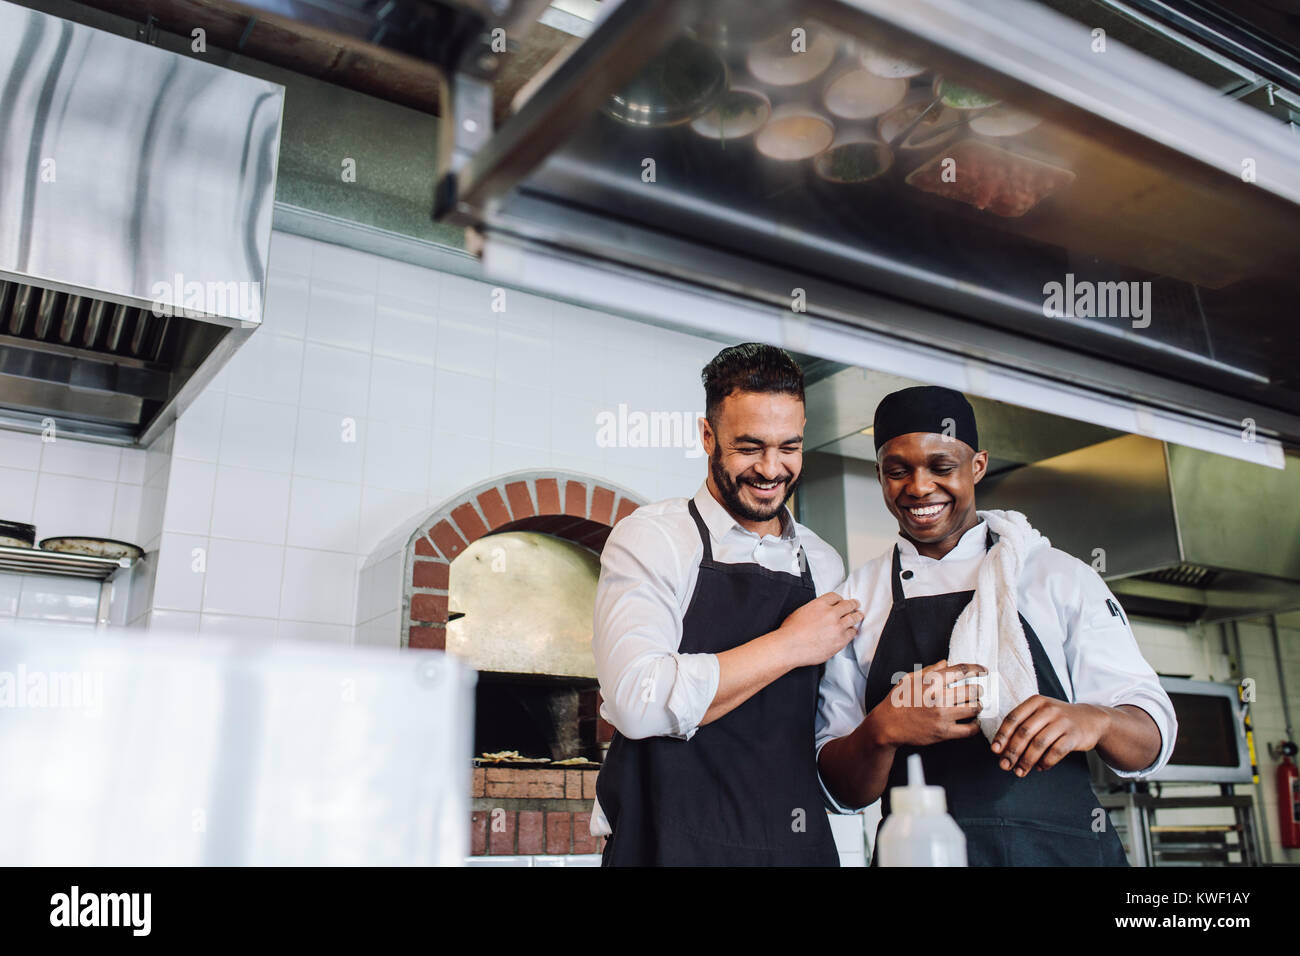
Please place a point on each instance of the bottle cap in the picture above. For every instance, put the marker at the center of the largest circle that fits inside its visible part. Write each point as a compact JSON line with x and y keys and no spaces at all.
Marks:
{"x":916,"y":797}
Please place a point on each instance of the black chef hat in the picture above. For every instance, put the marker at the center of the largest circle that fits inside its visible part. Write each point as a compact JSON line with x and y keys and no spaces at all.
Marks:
{"x":925,"y":408}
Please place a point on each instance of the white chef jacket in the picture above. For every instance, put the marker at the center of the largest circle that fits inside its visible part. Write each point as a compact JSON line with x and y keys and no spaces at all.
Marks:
{"x":648,"y":570}
{"x":1064,"y":600}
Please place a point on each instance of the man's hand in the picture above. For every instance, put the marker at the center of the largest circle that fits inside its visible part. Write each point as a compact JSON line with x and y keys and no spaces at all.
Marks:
{"x":813,"y":634}
{"x":1041,"y":731}
{"x":922,"y":708}
{"x":818,"y":631}
{"x":925,"y":708}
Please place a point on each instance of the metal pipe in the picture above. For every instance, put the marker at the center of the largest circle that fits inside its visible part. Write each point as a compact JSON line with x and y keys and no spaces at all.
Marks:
{"x":1261,"y":818}
{"x":1281,"y":676}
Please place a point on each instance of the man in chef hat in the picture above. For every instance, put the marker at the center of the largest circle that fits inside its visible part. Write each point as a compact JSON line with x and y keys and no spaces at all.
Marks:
{"x":998,"y":658}
{"x":713,"y":617}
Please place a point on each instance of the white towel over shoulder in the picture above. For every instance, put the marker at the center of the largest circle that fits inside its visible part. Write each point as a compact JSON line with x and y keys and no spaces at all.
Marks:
{"x":988,"y":631}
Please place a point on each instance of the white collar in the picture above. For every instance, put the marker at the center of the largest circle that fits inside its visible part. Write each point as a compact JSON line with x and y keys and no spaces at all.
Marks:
{"x":720,"y":521}
{"x":971,"y":545}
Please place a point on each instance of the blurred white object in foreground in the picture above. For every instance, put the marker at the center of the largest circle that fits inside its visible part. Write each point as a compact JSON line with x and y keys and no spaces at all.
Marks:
{"x":158,"y":750}
{"x":918,"y":830}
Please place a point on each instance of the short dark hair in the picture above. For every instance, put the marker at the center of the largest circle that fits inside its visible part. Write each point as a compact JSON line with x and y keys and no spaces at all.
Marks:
{"x":751,"y":367}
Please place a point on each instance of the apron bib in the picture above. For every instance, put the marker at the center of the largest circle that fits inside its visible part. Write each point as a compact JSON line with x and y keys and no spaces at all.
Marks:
{"x":743,"y":791}
{"x":1042,"y":819}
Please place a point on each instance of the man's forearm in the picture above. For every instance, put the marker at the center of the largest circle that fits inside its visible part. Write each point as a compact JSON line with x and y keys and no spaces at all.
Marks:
{"x":1131,"y":740}
{"x":855,"y":769}
{"x":745,"y":670}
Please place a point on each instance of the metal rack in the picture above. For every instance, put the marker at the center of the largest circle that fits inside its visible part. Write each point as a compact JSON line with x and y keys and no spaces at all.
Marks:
{"x":37,"y":561}
{"x":1150,"y":845}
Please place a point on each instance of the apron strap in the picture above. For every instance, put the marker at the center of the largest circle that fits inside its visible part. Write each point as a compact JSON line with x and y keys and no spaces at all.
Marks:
{"x":896,"y":573}
{"x":703,"y":529}
{"x":896,"y":579}
{"x":805,"y":566}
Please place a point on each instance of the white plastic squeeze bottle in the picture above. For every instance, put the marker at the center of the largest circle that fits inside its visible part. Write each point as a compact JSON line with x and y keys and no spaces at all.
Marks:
{"x":918,"y":830}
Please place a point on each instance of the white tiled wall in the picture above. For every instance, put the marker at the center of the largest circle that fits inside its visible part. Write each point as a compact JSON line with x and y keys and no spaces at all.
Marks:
{"x":375,"y":391}
{"x":67,"y":487}
{"x":379,"y":593}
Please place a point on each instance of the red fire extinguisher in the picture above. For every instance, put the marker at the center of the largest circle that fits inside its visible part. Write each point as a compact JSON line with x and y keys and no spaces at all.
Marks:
{"x":1288,"y":796}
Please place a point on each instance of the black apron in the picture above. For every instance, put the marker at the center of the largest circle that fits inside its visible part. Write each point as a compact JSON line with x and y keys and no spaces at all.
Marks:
{"x":1042,"y":819}
{"x":743,"y":791}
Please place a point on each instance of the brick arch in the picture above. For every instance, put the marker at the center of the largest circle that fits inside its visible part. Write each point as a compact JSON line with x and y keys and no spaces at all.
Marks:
{"x":565,"y":504}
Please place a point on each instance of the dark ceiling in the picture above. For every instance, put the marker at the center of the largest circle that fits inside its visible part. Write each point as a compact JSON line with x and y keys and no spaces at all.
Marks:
{"x":331,"y":55}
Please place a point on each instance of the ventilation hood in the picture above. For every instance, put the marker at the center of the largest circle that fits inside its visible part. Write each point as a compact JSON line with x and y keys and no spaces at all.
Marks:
{"x":136,"y":192}
{"x":1178,"y":533}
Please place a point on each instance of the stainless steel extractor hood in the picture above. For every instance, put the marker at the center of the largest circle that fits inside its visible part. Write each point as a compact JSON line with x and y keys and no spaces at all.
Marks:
{"x":136,"y":191}
{"x":690,"y":147}
{"x":842,"y":404}
{"x":1179,"y":534}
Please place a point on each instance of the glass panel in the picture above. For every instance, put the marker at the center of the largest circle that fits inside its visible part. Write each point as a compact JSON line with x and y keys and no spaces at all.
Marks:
{"x":1127,"y":23}
{"x":839,"y":153}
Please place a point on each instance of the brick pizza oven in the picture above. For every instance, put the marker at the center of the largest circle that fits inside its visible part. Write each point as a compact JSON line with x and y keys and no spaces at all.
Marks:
{"x":533,"y":809}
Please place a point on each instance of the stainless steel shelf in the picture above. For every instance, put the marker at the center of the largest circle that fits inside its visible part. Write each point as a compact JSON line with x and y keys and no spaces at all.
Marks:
{"x":36,"y":561}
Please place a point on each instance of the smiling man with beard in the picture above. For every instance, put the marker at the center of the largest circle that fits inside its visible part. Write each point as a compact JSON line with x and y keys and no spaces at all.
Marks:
{"x":709,"y":639}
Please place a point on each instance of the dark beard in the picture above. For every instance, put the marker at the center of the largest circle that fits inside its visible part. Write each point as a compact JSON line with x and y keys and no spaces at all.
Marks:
{"x":730,"y":491}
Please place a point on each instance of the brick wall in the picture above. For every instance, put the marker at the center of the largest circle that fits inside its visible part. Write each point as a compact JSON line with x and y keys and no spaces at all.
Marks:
{"x":532,"y":811}
{"x":575,"y":507}
{"x":516,"y":810}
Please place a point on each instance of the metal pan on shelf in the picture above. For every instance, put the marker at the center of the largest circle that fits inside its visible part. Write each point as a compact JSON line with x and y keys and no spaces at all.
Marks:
{"x":16,"y":534}
{"x":93,"y":547}
{"x":679,"y":85}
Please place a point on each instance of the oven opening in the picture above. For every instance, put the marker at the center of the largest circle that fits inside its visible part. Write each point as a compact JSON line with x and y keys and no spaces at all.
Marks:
{"x":536,"y":715}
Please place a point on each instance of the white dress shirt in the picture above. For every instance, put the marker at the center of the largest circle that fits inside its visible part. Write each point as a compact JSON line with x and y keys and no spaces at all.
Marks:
{"x":648,"y":570}
{"x":1092,"y":650}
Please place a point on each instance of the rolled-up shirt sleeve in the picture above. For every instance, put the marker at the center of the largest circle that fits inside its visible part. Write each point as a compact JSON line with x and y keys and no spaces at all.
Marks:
{"x":649,"y":689}
{"x":1107,"y":667}
{"x":839,"y":709}
{"x":840,"y":699}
